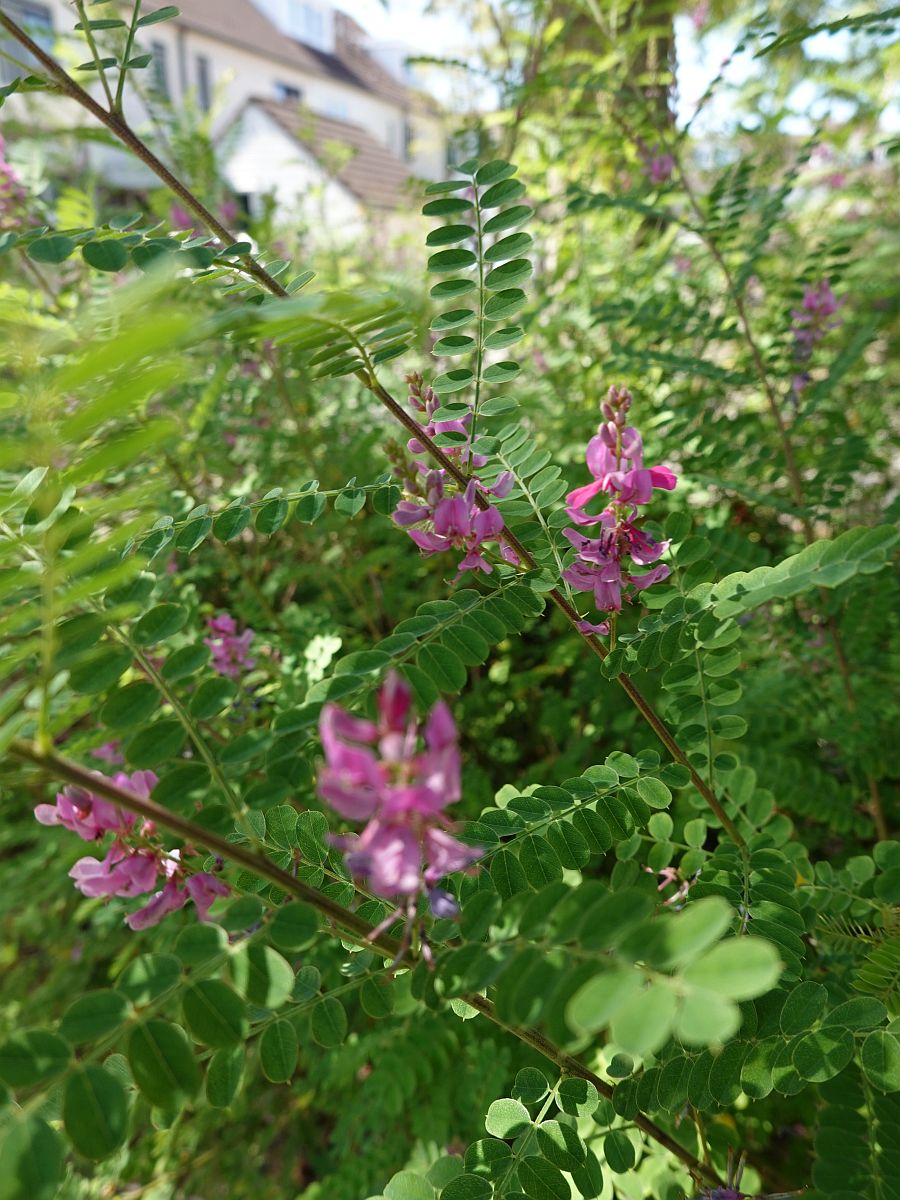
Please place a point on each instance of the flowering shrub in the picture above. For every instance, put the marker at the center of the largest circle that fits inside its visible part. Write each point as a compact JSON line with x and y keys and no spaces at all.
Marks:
{"x":568,"y":876}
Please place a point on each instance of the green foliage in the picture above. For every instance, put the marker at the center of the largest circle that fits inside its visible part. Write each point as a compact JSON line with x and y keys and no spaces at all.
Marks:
{"x":661,"y":966}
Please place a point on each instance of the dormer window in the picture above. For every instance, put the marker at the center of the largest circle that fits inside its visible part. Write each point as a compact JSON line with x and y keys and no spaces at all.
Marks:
{"x":310,"y":24}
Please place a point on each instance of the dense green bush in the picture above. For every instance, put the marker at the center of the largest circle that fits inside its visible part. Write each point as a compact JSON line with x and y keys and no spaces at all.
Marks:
{"x":673,"y":968}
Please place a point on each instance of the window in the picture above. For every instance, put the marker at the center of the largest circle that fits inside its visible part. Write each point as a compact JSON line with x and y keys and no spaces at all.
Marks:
{"x":408,"y":140}
{"x":37,"y":21}
{"x":160,"y":69}
{"x":286,"y":91}
{"x":307,"y":24}
{"x":204,"y":85}
{"x":337,"y":109}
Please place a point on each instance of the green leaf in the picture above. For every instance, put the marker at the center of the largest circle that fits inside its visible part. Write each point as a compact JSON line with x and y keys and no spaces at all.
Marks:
{"x":53,"y":249}
{"x":540,"y":1180}
{"x":211,"y":697}
{"x":105,"y":255}
{"x":262,"y":975}
{"x":278,"y":1051}
{"x":216,"y":1015}
{"x":803,"y":1007}
{"x":232,"y":522}
{"x":507,"y":875}
{"x":350,"y":501}
{"x":494,"y":171}
{"x":468,"y":1187}
{"x":451,"y":260}
{"x":272,"y":515}
{"x":129,"y":705}
{"x":294,"y":926}
{"x":95,"y":1112}
{"x":502,"y":193}
{"x":740,"y":968}
{"x":149,"y":976}
{"x":310,"y":507}
{"x":539,"y":861}
{"x":504,"y":304}
{"x":32,"y":1056}
{"x":406,"y":1185}
{"x":443,"y":666}
{"x":185,"y":661}
{"x":691,"y":932}
{"x":93,"y":1016}
{"x":507,"y":276}
{"x":31,"y":1159}
{"x":531,"y":1086}
{"x":452,"y":381}
{"x":162,"y":1062}
{"x":880,"y":1060}
{"x":155,"y":743}
{"x":508,"y":247}
{"x":509,"y":218}
{"x":507,"y":1119}
{"x":561,"y":1145}
{"x":654,"y":792}
{"x":456,"y":343}
{"x":501,"y":372}
{"x":446,"y":235}
{"x":198,"y":944}
{"x":594,"y":1003}
{"x":821,"y":1055}
{"x":166,"y":13}
{"x":224,"y":1075}
{"x":705,"y":1018}
{"x":646,"y":1022}
{"x":329,"y":1022}
{"x":577,"y":1096}
{"x":159,"y":623}
{"x":618,"y":1151}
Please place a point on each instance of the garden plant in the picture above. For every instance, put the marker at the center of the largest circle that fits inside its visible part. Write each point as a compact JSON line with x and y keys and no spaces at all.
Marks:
{"x":447,"y":722}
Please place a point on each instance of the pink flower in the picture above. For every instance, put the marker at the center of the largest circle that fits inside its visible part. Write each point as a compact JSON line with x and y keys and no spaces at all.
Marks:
{"x":91,"y":816}
{"x":813,"y":320}
{"x":658,"y":167}
{"x":457,"y":522}
{"x":399,"y":778}
{"x":127,"y":869}
{"x":615,"y":457}
{"x":230,"y":651}
{"x":109,"y":752}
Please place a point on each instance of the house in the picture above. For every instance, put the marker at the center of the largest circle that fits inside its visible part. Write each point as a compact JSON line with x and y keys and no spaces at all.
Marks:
{"x":302,"y":104}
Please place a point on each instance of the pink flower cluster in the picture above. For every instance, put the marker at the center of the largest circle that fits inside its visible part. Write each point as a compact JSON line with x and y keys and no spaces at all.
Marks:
{"x":813,"y":320}
{"x":128,"y":869}
{"x":451,"y":521}
{"x":381,"y":773}
{"x":811,"y":323}
{"x":658,"y":168}
{"x":615,"y":457}
{"x":12,"y":193}
{"x":230,"y":650}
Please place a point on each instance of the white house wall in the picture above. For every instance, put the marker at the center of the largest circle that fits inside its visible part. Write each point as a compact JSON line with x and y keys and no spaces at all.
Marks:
{"x":263,"y":159}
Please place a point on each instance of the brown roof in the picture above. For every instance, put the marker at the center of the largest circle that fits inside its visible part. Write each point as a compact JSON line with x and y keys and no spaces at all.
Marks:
{"x":243,"y":24}
{"x":375,"y":176}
